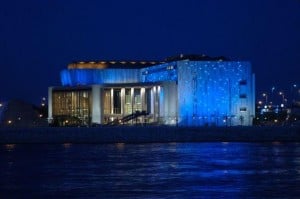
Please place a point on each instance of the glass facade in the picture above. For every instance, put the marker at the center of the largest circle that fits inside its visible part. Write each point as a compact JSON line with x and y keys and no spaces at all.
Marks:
{"x":137,"y":104}
{"x":107,"y":101}
{"x":71,"y":108}
{"x":121,"y":102}
{"x":117,"y":101}
{"x":128,"y":105}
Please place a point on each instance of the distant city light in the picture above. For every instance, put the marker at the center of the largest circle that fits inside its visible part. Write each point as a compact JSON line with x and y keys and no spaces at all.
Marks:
{"x":1,"y":105}
{"x":10,"y":147}
{"x":67,"y":145}
{"x":9,"y":121}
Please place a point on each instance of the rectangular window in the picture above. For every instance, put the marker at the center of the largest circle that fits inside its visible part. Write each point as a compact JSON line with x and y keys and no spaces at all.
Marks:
{"x":127,"y":96}
{"x":243,"y":82}
{"x":107,"y":101}
{"x":243,"y":109}
{"x":128,"y":105}
{"x":137,"y":100}
{"x":117,"y":101}
{"x":243,"y":96}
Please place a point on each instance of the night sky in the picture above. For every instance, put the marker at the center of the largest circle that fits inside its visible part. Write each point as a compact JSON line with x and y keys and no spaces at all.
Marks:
{"x":38,"y":38}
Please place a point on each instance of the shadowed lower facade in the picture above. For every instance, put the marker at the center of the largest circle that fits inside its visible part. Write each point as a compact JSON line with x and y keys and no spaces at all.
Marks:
{"x":184,"y":91}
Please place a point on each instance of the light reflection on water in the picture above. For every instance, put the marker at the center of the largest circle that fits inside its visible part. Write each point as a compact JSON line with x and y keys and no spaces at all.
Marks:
{"x":175,"y":170}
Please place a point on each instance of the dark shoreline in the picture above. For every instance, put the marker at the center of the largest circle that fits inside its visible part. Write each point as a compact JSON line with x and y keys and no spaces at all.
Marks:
{"x":149,"y":134}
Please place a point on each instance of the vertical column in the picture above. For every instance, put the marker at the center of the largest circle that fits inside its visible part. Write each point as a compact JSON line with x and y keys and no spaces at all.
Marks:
{"x":132,"y":100}
{"x":143,"y":99}
{"x":154,"y":108}
{"x":50,"y":117}
{"x":143,"y":102}
{"x":160,"y":101}
{"x":111,"y":101}
{"x":96,"y":104}
{"x":152,"y":101}
{"x":122,"y":101}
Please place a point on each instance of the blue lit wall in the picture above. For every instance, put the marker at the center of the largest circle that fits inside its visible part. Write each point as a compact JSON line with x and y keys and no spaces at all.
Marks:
{"x":209,"y":93}
{"x":159,"y":73}
{"x":74,"y":77}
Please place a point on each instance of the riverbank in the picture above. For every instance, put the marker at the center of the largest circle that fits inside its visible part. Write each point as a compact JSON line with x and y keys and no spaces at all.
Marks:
{"x":151,"y":134}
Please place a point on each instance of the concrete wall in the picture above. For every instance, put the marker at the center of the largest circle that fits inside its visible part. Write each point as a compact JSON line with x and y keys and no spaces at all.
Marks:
{"x":155,"y":134}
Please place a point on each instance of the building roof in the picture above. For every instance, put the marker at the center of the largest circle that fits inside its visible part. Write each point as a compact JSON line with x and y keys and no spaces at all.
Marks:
{"x":112,"y":64}
{"x":139,"y":64}
{"x":194,"y":57}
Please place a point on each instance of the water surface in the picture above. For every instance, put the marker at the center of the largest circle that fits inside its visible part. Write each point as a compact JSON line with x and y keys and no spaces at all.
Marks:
{"x":174,"y":170}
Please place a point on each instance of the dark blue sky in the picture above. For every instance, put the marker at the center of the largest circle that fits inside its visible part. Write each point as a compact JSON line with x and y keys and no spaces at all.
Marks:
{"x":38,"y":38}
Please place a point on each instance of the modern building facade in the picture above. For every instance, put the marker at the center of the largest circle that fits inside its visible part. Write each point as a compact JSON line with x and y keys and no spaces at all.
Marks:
{"x":184,"y":91}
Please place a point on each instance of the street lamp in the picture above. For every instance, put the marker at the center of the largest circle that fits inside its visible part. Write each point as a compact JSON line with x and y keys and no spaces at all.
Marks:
{"x":282,"y":95}
{"x":293,"y":95}
{"x":266,"y":97}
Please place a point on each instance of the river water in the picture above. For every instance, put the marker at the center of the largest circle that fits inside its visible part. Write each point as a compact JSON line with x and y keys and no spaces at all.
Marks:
{"x":173,"y":170}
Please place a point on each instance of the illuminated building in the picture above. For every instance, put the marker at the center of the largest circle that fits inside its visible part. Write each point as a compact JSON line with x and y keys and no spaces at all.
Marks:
{"x":184,"y":91}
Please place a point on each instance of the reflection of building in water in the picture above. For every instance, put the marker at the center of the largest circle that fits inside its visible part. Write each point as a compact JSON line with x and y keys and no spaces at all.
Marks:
{"x":184,"y":90}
